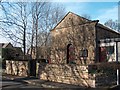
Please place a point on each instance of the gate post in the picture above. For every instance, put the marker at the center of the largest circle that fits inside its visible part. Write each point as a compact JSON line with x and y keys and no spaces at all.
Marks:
{"x":117,"y":62}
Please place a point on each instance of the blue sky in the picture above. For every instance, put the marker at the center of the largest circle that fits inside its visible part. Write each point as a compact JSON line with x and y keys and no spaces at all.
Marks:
{"x":101,"y":11}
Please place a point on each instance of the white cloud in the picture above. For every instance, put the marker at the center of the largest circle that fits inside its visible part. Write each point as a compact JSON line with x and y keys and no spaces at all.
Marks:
{"x":106,"y":14}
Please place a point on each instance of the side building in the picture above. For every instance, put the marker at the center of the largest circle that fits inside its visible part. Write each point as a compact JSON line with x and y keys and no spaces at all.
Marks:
{"x":8,"y":52}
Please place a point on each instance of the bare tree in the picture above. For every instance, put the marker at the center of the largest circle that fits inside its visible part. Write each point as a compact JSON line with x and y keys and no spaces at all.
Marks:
{"x":37,"y":8}
{"x":52,"y":15}
{"x":29,"y":23}
{"x":112,"y":24}
{"x":45,"y":16}
{"x":86,"y":16}
{"x":14,"y":22}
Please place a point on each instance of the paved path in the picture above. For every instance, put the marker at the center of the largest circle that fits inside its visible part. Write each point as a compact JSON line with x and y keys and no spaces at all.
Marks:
{"x":40,"y":83}
{"x":7,"y":83}
{"x":10,"y":81}
{"x":12,"y":84}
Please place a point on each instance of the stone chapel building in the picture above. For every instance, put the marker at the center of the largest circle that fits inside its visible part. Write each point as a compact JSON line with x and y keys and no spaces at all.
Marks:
{"x":81,"y":41}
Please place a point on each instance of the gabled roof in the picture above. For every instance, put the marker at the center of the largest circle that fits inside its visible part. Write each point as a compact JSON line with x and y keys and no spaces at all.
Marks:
{"x":86,"y":21}
{"x":4,"y":45}
{"x":67,"y":15}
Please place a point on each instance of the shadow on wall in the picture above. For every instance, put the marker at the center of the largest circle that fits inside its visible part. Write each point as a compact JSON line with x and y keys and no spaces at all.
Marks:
{"x":78,"y":75}
{"x":65,"y":73}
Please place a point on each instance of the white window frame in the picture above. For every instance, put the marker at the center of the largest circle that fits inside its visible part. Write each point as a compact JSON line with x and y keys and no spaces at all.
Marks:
{"x":102,"y":44}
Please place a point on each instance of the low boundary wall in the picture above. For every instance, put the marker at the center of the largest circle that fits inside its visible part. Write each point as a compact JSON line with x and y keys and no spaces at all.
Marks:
{"x":96,"y":75}
{"x":66,"y":73}
{"x":78,"y":75}
{"x":19,"y":68}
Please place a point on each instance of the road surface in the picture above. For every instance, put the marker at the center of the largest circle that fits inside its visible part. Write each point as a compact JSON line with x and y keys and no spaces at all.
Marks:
{"x":5,"y":83}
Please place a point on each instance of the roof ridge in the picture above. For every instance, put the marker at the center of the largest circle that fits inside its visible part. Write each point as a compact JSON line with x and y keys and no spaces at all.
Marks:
{"x":66,"y":15}
{"x":79,"y":16}
{"x":5,"y":45}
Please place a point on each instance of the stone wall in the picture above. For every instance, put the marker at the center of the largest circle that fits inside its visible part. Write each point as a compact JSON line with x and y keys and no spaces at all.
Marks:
{"x":66,"y":73}
{"x":85,"y":75}
{"x":77,"y":75}
{"x":19,"y":68}
{"x":81,"y":37}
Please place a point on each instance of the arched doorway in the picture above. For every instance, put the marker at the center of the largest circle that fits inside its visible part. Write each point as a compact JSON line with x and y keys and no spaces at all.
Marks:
{"x":70,"y":53}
